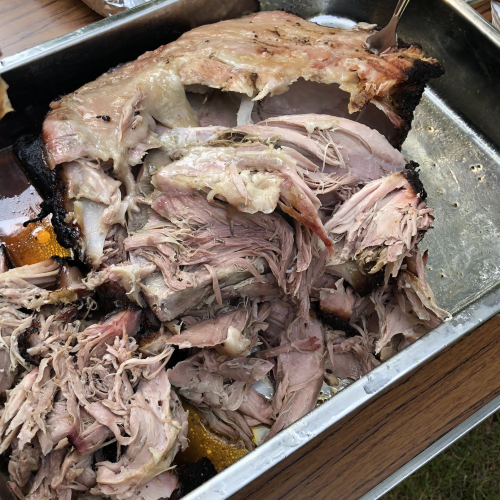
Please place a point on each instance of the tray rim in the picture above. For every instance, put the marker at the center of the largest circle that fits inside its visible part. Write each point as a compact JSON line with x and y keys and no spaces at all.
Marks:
{"x":123,"y":18}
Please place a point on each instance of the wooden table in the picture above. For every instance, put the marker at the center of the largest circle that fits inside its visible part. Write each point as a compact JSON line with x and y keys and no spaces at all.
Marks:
{"x":356,"y":455}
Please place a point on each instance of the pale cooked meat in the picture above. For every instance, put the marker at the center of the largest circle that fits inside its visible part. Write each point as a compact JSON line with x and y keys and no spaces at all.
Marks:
{"x":245,"y":263}
{"x":215,"y":248}
{"x":23,"y":462}
{"x":252,"y":178}
{"x":29,"y":286}
{"x":264,"y":288}
{"x":313,"y":97}
{"x":358,"y":149}
{"x":151,"y":448}
{"x":12,"y":323}
{"x":69,"y":276}
{"x":94,"y":340}
{"x":113,"y":248}
{"x":225,"y":332}
{"x":258,"y":55}
{"x":337,"y":300}
{"x":299,"y":374}
{"x":279,"y":48}
{"x":347,"y":357}
{"x":312,"y":155}
{"x":407,"y":310}
{"x":126,"y":276}
{"x":381,"y":224}
{"x":69,"y":410}
{"x":207,"y":382}
{"x":43,"y":274}
{"x":94,"y":202}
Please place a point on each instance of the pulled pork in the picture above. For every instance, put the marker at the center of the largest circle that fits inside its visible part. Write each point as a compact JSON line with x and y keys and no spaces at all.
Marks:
{"x":264,"y":246}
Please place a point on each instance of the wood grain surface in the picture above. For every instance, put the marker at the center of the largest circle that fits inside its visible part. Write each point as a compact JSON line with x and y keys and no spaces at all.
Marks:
{"x":358,"y":453}
{"x":484,"y":8}
{"x":26,"y":23}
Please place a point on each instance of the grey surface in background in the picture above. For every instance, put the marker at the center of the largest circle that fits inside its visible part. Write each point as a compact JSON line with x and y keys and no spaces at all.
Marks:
{"x":460,"y":170}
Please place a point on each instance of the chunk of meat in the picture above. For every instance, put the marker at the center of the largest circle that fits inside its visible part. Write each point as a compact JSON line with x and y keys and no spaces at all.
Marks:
{"x":319,"y":98}
{"x":337,"y":300}
{"x":299,"y":375}
{"x":94,"y":201}
{"x":114,"y":121}
{"x":226,"y":385}
{"x":225,"y":333}
{"x":277,"y":314}
{"x":347,"y":357}
{"x":252,"y":178}
{"x":215,"y":247}
{"x":340,"y":144}
{"x":382,"y":223}
{"x":151,"y":449}
{"x":109,"y":391}
{"x":258,"y":55}
{"x":93,"y":341}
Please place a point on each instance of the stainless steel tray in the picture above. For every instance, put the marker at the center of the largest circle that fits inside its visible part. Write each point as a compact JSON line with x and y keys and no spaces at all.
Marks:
{"x":455,"y":138}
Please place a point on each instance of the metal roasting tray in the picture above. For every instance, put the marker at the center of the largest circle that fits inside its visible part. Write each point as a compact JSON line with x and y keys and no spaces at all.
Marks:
{"x":455,"y":138}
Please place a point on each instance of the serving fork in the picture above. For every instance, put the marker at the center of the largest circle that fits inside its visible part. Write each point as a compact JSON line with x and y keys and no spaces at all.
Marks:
{"x":387,"y":37}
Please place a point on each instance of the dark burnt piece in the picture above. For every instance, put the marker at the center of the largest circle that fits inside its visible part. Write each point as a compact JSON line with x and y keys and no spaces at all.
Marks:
{"x":405,"y":97}
{"x":25,"y":342}
{"x":411,"y":173}
{"x":336,"y":323}
{"x":150,"y":325}
{"x":177,"y":356}
{"x":193,"y":475}
{"x":49,"y":184}
{"x":111,"y":296}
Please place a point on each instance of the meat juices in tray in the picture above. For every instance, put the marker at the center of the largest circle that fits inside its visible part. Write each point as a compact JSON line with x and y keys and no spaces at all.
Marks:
{"x":239,"y":244}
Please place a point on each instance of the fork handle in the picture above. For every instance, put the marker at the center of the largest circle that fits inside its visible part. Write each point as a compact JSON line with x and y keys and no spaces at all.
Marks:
{"x":400,"y":8}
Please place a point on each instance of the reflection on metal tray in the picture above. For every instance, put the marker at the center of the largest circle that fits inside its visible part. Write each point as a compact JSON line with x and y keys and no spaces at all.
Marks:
{"x":455,"y":138}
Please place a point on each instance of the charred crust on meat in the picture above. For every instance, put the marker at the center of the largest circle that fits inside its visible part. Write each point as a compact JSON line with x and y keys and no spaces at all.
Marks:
{"x":24,"y":342}
{"x":193,"y":475}
{"x":150,"y":325}
{"x":405,"y":96}
{"x":411,"y":173}
{"x":112,"y":297}
{"x":29,"y":150}
{"x":110,"y":452}
{"x":336,"y":323}
{"x":49,"y":183}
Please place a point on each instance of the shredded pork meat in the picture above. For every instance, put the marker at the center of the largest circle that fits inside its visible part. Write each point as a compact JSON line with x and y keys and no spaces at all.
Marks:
{"x":237,"y":244}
